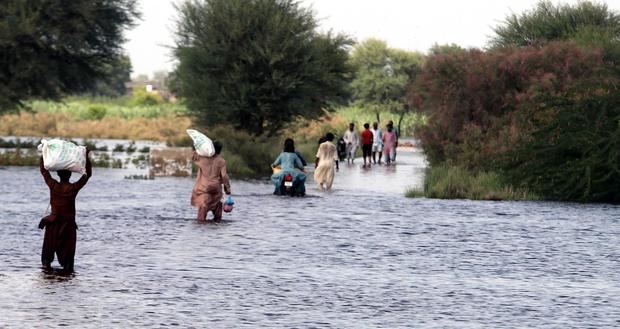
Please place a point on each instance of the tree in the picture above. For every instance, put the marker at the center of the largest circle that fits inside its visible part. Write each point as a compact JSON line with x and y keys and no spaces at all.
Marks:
{"x":116,"y":75}
{"x":49,"y":48}
{"x":257,"y":64}
{"x":451,"y":48}
{"x":547,"y":22}
{"x":382,"y":75}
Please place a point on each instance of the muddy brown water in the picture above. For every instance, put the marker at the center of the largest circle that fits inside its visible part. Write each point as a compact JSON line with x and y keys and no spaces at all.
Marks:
{"x":363,"y":256}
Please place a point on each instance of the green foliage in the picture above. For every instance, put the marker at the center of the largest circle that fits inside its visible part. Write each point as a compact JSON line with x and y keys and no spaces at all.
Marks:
{"x":116,"y":74}
{"x":574,"y":151}
{"x":96,"y":112}
{"x":583,"y":21}
{"x":141,"y":97}
{"x":50,"y":48}
{"x":451,"y":48}
{"x":256,"y":64}
{"x":86,"y":108}
{"x":453,"y":182}
{"x":382,"y":75}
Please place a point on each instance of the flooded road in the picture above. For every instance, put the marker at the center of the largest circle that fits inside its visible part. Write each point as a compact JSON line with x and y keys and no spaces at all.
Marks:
{"x":362,"y":256}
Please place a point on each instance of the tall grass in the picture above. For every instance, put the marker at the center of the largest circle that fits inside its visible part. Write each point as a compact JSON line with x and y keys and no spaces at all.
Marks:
{"x":453,"y":182}
{"x":43,"y":124}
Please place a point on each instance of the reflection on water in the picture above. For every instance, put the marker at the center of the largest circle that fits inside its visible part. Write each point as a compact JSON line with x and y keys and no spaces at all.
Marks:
{"x":361,"y":256}
{"x":56,"y":275}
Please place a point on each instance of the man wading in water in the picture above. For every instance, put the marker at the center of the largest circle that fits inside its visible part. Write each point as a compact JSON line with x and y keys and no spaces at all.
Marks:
{"x":60,"y":228}
{"x":207,"y":191}
{"x":326,"y":156}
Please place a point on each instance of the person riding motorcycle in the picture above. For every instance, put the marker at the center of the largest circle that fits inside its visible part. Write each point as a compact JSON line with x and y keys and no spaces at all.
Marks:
{"x":288,"y":161}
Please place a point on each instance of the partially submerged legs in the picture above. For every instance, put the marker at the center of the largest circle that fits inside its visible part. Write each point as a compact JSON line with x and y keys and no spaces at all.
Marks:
{"x":203,"y":211}
{"x":60,"y":239}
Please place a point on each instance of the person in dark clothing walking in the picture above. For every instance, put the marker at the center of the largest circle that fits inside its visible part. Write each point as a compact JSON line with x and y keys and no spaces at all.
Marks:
{"x":60,"y":228}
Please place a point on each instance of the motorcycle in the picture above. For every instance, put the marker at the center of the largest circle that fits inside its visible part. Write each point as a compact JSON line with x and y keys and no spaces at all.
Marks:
{"x":289,"y":186}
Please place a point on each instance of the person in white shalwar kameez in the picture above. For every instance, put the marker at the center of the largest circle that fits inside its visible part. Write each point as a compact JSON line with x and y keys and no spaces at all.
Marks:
{"x":326,"y":157}
{"x":352,"y":138}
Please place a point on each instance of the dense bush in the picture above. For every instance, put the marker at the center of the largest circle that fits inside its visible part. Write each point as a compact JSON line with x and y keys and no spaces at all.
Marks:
{"x":472,"y":97}
{"x":141,"y":97}
{"x":545,"y":117}
{"x":574,"y":150}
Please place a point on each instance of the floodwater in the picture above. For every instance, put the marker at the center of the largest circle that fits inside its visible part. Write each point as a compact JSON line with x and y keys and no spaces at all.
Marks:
{"x":362,"y":256}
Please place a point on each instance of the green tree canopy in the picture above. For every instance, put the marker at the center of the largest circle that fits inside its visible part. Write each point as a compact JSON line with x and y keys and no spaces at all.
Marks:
{"x":382,"y":75}
{"x":116,"y":74}
{"x":49,"y":47}
{"x":584,"y":21}
{"x":451,"y":48}
{"x":257,"y":64}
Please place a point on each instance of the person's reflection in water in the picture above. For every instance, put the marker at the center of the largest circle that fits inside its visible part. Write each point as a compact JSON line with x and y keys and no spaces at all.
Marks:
{"x":60,"y":228}
{"x":56,"y":275}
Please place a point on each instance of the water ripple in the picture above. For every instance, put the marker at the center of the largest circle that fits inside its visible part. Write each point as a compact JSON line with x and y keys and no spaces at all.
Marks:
{"x":360,"y":256}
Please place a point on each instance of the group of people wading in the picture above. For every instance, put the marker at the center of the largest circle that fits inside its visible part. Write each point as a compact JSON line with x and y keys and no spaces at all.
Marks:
{"x":60,"y":226}
{"x":290,"y":162}
{"x":372,"y":141}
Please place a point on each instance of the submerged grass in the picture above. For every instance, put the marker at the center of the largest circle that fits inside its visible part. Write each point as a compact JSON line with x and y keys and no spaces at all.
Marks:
{"x":19,"y":158}
{"x":454,"y":182}
{"x":30,"y":157}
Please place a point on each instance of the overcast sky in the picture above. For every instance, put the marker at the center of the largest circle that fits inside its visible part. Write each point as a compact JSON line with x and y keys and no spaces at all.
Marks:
{"x":407,"y":24}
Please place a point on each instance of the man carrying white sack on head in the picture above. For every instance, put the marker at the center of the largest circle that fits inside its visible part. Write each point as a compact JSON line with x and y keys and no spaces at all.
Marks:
{"x":60,"y":227}
{"x":207,"y":192}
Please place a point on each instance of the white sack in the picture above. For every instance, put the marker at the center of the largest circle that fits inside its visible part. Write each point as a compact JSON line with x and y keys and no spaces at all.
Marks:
{"x":63,"y":155}
{"x":202,"y":143}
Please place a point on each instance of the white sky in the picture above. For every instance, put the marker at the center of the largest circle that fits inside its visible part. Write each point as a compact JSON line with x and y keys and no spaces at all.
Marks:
{"x":407,"y":24}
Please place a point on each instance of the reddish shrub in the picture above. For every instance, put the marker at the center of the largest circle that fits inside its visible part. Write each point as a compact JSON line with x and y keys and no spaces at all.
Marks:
{"x":475,"y":100}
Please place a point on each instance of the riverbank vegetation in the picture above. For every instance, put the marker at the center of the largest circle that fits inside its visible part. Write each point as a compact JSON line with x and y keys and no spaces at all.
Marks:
{"x":540,"y":108}
{"x":452,"y":182}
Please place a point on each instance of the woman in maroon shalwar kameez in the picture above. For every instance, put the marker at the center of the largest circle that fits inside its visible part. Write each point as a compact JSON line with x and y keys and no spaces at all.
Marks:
{"x":60,"y":227}
{"x":207,"y":191}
